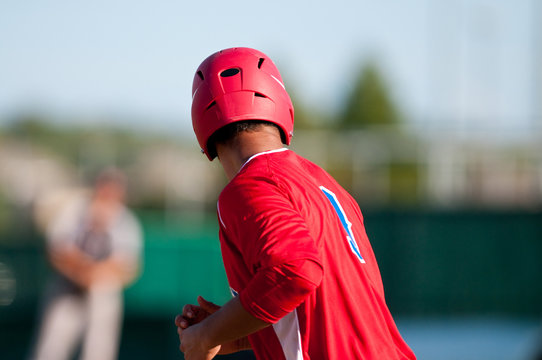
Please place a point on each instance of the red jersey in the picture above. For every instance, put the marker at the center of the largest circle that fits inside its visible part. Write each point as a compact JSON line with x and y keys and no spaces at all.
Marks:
{"x":279,"y":216}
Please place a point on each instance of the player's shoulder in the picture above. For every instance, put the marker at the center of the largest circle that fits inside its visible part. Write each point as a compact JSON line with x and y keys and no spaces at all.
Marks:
{"x":248,"y":184}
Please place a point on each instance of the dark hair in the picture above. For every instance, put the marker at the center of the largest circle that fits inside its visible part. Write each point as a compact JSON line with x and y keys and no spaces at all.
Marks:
{"x":229,"y":132}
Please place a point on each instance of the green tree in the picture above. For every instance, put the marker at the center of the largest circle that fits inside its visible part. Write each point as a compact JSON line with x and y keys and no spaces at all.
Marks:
{"x":369,"y":103}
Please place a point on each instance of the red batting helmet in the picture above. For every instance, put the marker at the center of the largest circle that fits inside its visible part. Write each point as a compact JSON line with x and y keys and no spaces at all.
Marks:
{"x":239,"y":84}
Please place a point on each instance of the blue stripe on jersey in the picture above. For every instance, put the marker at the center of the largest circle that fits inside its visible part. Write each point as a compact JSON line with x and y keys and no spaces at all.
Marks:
{"x":347,"y":225}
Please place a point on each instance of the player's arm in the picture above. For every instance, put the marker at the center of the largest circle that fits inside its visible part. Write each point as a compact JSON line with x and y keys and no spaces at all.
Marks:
{"x":273,"y":293}
{"x":72,"y":263}
{"x":276,"y":243}
{"x":194,"y":314}
{"x":226,"y":326}
{"x":116,"y":270}
{"x":276,"y":291}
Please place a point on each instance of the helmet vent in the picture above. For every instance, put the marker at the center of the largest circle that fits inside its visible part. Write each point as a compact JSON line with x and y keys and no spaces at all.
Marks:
{"x":211,"y":105}
{"x":260,"y":62}
{"x":200,"y":74}
{"x":259,"y":94}
{"x":230,"y":72}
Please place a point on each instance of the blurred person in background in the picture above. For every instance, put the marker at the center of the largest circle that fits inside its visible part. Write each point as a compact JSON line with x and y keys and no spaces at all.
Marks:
{"x":94,"y":245}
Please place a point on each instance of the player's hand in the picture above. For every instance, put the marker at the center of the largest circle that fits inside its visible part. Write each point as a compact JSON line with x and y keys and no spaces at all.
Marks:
{"x":193,"y":314}
{"x":194,"y":346}
{"x":191,"y":342}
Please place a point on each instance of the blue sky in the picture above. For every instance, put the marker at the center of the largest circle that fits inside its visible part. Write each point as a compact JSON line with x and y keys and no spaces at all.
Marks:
{"x":465,"y":63}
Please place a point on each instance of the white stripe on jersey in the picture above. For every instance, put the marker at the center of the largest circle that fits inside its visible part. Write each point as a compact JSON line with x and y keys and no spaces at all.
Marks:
{"x":220,"y":216}
{"x":287,"y":330}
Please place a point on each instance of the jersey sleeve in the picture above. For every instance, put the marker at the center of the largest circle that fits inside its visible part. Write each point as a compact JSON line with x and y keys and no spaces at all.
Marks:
{"x":264,"y":225}
{"x":276,"y":291}
{"x":275,"y":244}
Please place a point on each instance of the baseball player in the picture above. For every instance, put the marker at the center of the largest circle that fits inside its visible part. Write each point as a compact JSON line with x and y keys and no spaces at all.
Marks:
{"x":304,"y":277}
{"x":94,"y":244}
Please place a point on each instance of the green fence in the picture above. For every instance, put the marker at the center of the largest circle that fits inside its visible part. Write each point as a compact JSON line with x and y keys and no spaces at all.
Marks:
{"x":181,"y":261}
{"x":460,"y":262}
{"x":431,"y":263}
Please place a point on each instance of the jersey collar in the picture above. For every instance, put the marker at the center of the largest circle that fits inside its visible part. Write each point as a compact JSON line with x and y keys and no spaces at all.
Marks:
{"x":262,"y":153}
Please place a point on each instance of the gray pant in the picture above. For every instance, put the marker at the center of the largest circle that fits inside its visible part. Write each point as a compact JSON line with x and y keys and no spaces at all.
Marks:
{"x":93,"y":316}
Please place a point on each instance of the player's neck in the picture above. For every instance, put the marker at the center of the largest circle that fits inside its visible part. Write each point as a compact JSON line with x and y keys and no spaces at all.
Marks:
{"x":246,"y":144}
